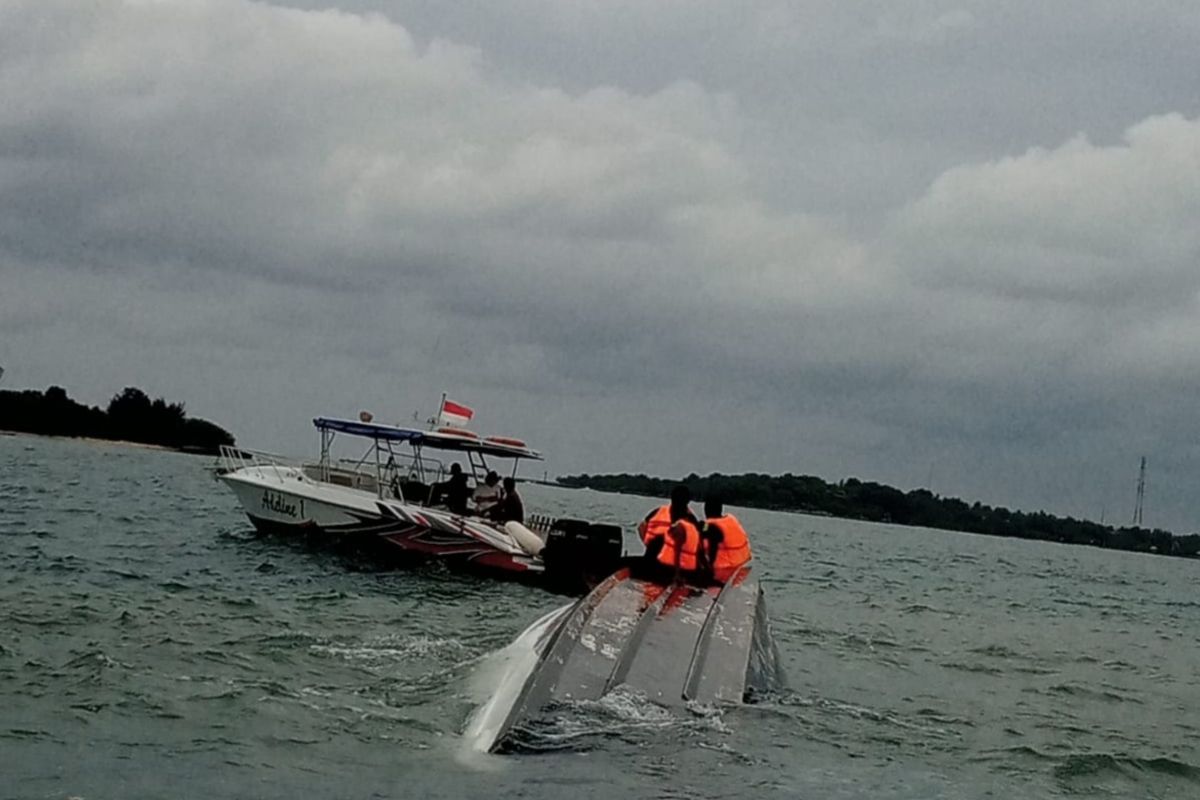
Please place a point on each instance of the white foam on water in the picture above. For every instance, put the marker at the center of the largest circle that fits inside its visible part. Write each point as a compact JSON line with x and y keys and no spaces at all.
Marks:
{"x":389,"y":648}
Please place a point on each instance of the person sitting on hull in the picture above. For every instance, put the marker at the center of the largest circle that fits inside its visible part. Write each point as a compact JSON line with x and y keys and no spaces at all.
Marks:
{"x":663,"y":548}
{"x":725,"y":543}
{"x":511,"y":507}
{"x":682,"y":554}
{"x":658,"y":522}
{"x":456,"y":491}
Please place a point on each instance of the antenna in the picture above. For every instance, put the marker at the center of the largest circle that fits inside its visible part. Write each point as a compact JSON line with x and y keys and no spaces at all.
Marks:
{"x":1141,"y":494}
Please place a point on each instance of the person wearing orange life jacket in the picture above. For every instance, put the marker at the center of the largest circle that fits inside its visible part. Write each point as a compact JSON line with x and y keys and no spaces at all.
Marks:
{"x":683,"y":550}
{"x":653,"y":529}
{"x":724,"y":540}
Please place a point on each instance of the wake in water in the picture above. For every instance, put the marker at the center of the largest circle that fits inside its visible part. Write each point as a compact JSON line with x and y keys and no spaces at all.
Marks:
{"x":624,"y":713}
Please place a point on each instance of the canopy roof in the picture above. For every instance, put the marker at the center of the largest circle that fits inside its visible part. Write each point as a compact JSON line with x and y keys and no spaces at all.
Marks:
{"x":420,"y":438}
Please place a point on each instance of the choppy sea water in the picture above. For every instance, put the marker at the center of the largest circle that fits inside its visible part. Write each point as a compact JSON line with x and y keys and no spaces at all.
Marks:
{"x":153,"y":645}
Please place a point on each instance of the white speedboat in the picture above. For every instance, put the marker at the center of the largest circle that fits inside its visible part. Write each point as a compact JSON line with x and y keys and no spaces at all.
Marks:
{"x":385,"y":495}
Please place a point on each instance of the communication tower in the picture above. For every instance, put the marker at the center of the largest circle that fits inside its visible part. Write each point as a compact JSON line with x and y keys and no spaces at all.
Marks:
{"x":1141,"y":494}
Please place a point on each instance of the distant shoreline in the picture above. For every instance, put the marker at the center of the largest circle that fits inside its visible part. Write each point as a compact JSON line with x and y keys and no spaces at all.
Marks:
{"x":865,"y":501}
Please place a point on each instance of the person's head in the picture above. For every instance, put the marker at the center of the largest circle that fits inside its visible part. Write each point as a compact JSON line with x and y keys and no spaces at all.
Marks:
{"x":510,"y":485}
{"x":455,"y":468}
{"x":680,"y":497}
{"x":492,"y":478}
{"x":713,"y":507}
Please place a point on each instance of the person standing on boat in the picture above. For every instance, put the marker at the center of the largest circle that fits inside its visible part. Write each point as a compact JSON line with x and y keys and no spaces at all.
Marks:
{"x":511,"y":508}
{"x":725,"y":543}
{"x":655,"y":526}
{"x":487,"y":494}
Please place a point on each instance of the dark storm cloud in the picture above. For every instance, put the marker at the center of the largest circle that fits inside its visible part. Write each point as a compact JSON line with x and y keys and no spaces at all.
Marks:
{"x":950,"y":238}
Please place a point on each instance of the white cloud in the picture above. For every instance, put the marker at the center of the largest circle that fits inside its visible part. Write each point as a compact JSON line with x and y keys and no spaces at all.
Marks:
{"x":1080,"y":223}
{"x":674,"y":235}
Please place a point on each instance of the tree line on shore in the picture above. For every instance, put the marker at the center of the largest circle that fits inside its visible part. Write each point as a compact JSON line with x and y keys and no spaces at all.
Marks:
{"x":130,"y":416}
{"x":874,"y":502}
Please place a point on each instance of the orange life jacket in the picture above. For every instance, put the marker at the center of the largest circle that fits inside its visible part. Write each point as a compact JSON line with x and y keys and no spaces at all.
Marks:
{"x":657,"y":525}
{"x":733,"y":549}
{"x":683,"y":554}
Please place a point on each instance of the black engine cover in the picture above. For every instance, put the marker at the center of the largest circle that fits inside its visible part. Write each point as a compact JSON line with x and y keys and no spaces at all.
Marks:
{"x":578,"y":553}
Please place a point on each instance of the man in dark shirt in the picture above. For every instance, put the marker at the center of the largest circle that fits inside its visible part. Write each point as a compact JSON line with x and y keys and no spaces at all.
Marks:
{"x":510,"y":507}
{"x":456,"y":491}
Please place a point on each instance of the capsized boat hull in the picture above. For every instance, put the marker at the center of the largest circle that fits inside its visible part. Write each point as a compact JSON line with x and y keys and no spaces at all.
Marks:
{"x":674,"y":644}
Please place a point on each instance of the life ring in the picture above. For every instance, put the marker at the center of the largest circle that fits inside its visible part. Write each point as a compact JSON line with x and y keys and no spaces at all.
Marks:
{"x":463,"y":432}
{"x":506,"y":440}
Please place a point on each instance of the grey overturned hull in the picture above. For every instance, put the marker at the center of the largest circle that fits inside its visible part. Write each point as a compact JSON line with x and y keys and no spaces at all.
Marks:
{"x":674,"y":644}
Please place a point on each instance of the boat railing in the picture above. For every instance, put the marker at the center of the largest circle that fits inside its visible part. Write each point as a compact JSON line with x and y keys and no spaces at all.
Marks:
{"x":411,"y":469}
{"x":366,"y":475}
{"x":235,"y":458}
{"x":347,"y":472}
{"x":409,"y":466}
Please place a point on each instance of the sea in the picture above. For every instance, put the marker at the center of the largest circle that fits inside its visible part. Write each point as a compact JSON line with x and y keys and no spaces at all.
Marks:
{"x":153,"y":645}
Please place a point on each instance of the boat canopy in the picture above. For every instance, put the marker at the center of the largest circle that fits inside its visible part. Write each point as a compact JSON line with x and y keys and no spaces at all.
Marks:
{"x":433,"y":439}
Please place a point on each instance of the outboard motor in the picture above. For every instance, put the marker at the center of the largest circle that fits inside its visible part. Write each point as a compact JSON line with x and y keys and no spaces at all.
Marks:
{"x":578,"y":553}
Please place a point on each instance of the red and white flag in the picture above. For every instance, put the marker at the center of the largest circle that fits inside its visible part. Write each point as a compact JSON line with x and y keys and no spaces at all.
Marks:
{"x":453,"y":413}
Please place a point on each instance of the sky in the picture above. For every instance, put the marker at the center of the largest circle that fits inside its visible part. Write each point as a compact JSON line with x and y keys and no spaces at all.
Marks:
{"x":932,"y":244}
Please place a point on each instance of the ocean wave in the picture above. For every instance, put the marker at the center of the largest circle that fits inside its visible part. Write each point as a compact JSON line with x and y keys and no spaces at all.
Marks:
{"x":29,"y":734}
{"x":125,"y":573}
{"x":1106,"y":765}
{"x":1087,"y":771}
{"x":93,"y":659}
{"x":277,"y":639}
{"x":332,"y":595}
{"x":943,"y":718}
{"x":929,"y":722}
{"x":67,"y":563}
{"x":1086,"y":692}
{"x":982,"y":669}
{"x":870,"y":643}
{"x":1029,"y":669}
{"x":921,"y":608}
{"x":997,"y":651}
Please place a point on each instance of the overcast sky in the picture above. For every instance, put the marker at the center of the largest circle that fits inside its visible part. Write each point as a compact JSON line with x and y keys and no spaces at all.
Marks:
{"x":932,"y":243}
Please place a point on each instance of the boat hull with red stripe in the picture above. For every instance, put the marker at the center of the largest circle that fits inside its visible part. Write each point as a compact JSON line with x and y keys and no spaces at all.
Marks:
{"x":285,"y":499}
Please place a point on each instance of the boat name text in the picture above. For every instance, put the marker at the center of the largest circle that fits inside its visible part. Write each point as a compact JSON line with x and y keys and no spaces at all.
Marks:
{"x":274,"y":501}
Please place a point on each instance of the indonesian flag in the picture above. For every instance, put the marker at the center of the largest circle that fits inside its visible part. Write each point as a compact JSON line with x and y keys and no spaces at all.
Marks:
{"x":453,"y":413}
